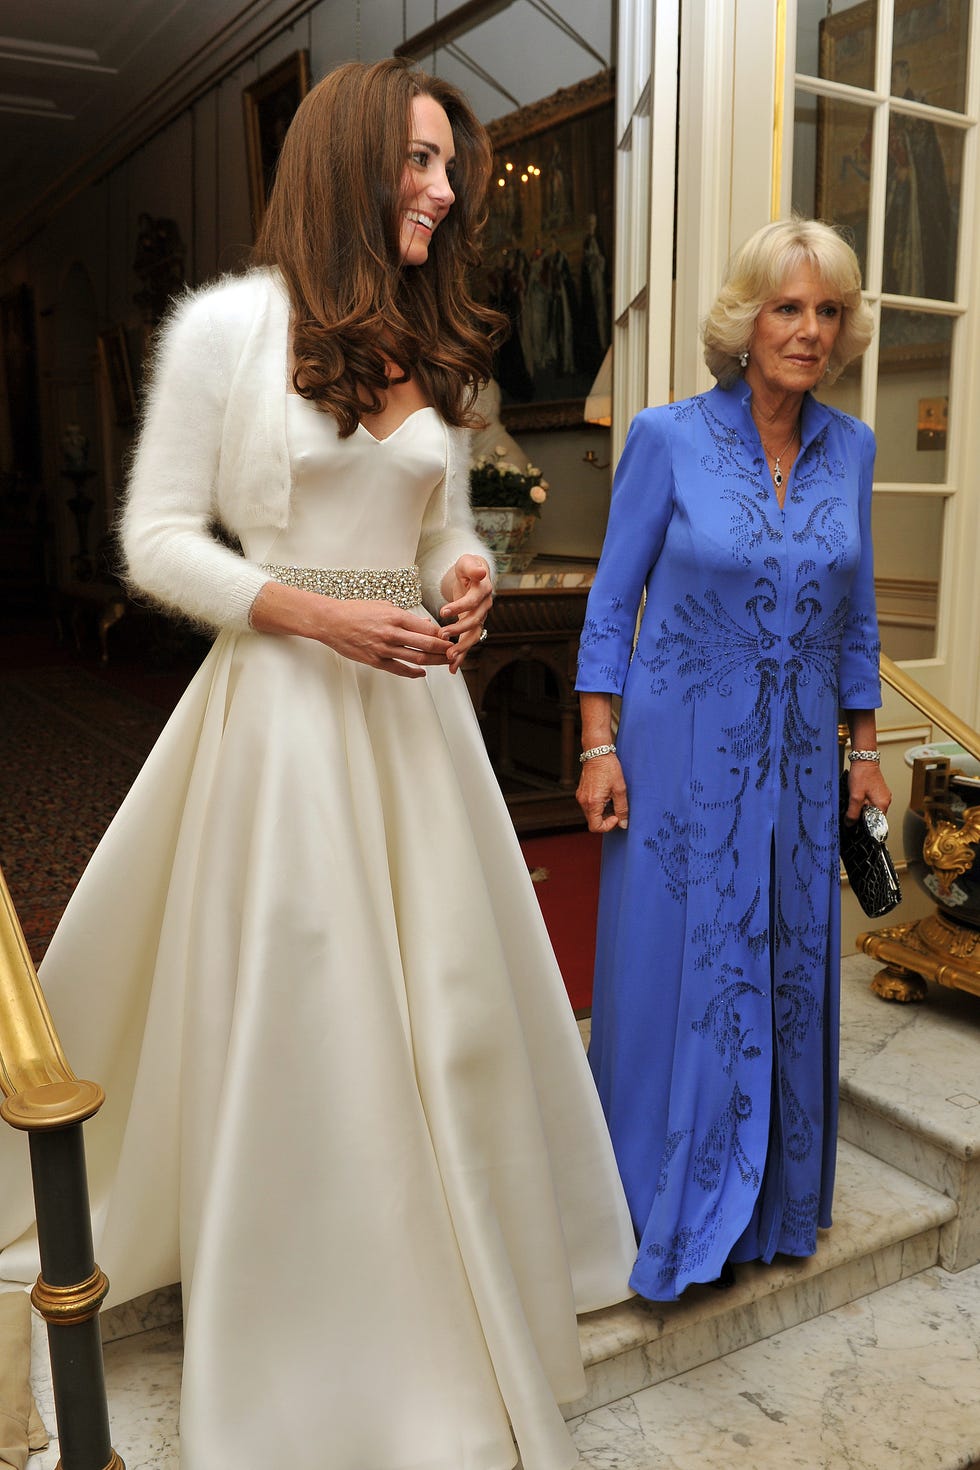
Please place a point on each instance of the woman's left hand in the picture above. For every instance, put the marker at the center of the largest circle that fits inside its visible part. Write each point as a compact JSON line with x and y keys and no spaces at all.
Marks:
{"x":866,"y":787}
{"x":469,"y":594}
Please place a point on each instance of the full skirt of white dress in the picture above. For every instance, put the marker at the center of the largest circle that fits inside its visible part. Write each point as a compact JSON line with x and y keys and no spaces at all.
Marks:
{"x":347,"y":1102}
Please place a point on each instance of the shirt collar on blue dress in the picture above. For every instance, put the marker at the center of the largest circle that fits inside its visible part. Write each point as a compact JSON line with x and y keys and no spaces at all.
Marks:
{"x":734,"y":406}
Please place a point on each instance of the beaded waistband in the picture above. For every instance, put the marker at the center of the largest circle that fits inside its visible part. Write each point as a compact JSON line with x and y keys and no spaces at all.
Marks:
{"x":399,"y":585}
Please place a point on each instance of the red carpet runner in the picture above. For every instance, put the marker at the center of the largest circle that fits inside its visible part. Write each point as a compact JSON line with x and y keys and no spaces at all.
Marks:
{"x":568,"y":902}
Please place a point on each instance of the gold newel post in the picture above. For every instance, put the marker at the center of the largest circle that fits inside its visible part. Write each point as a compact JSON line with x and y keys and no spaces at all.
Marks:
{"x":44,"y":1099}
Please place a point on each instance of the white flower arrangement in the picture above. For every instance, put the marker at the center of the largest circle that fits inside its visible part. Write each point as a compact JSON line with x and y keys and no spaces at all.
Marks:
{"x":495,"y":480}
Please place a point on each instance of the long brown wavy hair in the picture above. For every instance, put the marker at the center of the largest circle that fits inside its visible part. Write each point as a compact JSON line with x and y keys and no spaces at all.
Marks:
{"x":332,"y":227}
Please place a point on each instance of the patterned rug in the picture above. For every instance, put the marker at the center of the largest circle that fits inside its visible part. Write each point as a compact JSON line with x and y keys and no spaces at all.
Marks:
{"x":70,"y":747}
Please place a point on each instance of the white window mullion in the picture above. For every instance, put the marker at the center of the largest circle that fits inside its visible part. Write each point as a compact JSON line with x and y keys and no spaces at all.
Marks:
{"x":662,"y":201}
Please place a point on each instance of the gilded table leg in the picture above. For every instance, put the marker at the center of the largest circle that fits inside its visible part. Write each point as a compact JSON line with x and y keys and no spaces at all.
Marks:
{"x":894,"y":982}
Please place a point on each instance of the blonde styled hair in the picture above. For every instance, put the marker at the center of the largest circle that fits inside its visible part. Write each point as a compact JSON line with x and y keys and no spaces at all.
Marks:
{"x":755,"y":274}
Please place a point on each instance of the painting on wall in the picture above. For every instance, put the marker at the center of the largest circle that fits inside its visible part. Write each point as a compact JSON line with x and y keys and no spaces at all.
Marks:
{"x":548,"y":251}
{"x":114,"y":360}
{"x":924,"y":167}
{"x":20,"y":374}
{"x":269,"y":105}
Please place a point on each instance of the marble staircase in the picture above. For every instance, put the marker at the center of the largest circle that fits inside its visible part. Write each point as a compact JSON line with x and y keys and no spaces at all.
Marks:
{"x":866,"y":1356}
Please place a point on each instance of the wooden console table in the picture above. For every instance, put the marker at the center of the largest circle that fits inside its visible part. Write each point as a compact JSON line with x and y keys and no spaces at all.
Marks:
{"x":537,"y":616}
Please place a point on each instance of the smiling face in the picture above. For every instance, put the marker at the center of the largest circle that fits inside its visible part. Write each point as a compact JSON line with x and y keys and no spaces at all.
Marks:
{"x":794,"y":334}
{"x":426,"y":193}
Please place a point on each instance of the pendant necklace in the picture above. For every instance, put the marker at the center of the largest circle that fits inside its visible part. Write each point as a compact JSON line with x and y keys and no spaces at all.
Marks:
{"x":777,"y":473}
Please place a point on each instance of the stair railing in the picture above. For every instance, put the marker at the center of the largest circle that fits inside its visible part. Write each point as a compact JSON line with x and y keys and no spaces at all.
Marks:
{"x":44,"y":1099}
{"x":934,"y":710}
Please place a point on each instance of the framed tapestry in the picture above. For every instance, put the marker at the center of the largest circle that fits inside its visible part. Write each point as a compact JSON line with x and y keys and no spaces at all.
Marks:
{"x":548,"y":251}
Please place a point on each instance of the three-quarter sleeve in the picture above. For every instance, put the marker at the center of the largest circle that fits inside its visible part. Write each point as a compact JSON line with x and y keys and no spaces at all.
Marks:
{"x":859,"y":682}
{"x":642,"y":503}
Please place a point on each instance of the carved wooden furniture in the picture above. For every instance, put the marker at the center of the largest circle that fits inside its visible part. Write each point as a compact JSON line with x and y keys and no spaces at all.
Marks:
{"x":537,"y":618}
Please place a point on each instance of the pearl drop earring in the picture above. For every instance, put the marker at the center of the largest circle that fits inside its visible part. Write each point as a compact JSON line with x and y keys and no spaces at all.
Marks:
{"x":743,"y":358}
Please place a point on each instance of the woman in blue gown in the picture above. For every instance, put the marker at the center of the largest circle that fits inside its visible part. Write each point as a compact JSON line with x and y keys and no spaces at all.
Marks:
{"x":743,"y":514}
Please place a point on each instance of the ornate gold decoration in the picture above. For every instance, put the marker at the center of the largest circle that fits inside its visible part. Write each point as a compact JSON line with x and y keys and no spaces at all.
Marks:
{"x":898,"y":984}
{"x":934,"y":948}
{"x":560,"y":106}
{"x":64,"y":1305}
{"x":949,"y":847}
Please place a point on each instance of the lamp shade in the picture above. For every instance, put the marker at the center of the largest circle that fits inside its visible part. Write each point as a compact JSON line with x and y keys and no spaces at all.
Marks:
{"x":598,"y":405}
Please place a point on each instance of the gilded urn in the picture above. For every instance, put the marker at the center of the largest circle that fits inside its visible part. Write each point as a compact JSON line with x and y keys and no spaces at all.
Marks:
{"x":941,"y":830}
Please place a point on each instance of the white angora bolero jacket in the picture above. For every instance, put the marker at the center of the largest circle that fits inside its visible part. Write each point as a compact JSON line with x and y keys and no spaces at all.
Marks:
{"x":213,"y":448}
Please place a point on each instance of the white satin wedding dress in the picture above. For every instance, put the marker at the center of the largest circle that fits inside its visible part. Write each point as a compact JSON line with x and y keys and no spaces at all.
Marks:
{"x":348,"y":1106}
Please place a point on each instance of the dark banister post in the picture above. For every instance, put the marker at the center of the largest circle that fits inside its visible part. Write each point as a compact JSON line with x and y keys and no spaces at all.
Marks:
{"x":71,"y":1287}
{"x":44,"y":1099}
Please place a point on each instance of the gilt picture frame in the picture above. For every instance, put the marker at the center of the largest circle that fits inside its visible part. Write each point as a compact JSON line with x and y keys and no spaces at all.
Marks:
{"x":268,"y":105}
{"x":548,"y":251}
{"x":114,"y":361}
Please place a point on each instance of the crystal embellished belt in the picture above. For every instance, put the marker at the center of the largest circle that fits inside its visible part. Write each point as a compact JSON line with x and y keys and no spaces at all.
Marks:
{"x":399,"y":585}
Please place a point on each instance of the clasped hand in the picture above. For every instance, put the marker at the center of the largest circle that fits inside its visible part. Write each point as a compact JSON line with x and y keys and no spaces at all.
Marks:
{"x":379,"y":634}
{"x":469,"y":598}
{"x":403,"y":643}
{"x":866,"y":787}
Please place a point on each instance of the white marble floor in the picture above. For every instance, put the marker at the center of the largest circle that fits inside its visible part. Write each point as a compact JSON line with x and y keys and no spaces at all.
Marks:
{"x":890,"y":1382}
{"x":143,"y":1386}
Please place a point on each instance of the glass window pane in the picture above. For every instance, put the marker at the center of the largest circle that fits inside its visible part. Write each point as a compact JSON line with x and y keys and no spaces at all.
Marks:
{"x":841,"y":46}
{"x":925,"y":166}
{"x":913,"y":393}
{"x":929,"y":52}
{"x":907,"y":531}
{"x":831,"y":165}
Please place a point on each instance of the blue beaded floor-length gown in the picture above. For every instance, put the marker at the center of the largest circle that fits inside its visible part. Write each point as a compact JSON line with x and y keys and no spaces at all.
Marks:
{"x":716,"y":1008}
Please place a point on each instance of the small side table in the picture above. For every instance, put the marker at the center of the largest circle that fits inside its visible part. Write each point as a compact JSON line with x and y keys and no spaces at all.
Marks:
{"x":103,"y":603}
{"x":537,"y":615}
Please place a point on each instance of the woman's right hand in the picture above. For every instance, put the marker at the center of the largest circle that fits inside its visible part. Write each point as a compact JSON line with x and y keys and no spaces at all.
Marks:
{"x":600,"y":786}
{"x":369,"y":632}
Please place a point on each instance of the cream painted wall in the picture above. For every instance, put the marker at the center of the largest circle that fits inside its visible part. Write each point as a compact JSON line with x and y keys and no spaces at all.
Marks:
{"x":574,"y":520}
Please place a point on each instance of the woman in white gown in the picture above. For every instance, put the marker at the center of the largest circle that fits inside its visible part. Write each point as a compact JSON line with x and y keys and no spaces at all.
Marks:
{"x":348,"y":1104}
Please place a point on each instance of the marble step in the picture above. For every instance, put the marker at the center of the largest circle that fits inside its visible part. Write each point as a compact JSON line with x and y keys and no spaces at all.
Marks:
{"x":890,"y":1382}
{"x":910,"y":1093}
{"x":886,"y":1228}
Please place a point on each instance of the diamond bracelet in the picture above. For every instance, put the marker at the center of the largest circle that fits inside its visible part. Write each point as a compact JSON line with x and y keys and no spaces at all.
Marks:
{"x":865,"y":755}
{"x":597,"y":750}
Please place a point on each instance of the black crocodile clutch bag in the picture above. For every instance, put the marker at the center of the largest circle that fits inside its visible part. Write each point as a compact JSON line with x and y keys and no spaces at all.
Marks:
{"x":867,"y":861}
